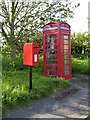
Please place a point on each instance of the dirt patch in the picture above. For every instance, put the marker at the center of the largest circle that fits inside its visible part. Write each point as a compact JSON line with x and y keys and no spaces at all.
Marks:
{"x":84,"y":78}
{"x":65,"y":94}
{"x":71,"y":103}
{"x":80,"y":78}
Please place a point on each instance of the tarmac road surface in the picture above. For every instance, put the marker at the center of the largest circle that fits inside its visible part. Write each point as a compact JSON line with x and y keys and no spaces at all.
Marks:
{"x":70,"y":105}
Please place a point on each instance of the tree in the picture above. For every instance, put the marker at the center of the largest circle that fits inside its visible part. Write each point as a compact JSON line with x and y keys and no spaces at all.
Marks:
{"x":20,"y":20}
{"x":79,"y":41}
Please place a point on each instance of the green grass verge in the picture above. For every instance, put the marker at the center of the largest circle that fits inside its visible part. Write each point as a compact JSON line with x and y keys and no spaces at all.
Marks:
{"x":15,"y":84}
{"x":80,"y":66}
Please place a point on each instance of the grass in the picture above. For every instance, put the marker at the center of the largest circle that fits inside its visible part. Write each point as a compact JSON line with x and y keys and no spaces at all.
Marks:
{"x":15,"y":84}
{"x":80,"y":66}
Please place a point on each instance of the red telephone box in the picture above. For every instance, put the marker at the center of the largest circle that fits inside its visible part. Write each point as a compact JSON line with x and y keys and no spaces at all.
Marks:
{"x":57,"y":50}
{"x":31,"y":54}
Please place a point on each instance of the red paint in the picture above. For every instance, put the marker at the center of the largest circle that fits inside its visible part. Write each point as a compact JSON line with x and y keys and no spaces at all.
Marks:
{"x":53,"y":40}
{"x":31,"y":54}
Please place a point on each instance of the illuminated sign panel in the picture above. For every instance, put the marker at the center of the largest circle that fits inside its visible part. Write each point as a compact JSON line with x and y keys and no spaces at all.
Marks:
{"x":64,"y":28}
{"x":52,"y":28}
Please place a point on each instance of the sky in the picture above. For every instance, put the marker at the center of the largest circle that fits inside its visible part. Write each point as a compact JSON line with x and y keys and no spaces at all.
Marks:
{"x":79,"y":23}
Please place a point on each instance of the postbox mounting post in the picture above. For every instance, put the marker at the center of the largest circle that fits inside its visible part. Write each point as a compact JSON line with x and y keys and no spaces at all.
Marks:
{"x":30,"y":82}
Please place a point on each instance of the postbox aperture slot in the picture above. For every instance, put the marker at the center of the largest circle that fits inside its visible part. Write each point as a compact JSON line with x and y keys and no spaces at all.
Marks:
{"x":35,"y":47}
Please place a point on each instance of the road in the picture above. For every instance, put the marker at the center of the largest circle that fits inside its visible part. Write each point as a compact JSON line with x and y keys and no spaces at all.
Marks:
{"x":70,"y":105}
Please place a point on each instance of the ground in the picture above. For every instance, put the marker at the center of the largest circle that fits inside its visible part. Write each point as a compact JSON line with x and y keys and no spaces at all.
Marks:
{"x":71,"y":103}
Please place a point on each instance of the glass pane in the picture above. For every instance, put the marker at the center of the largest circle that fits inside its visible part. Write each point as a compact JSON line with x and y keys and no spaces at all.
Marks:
{"x":51,"y":57}
{"x":48,"y":37}
{"x":51,"y":52}
{"x":65,"y":37}
{"x":51,"y":41}
{"x":51,"y":47}
{"x":65,"y":41}
{"x":65,"y":51}
{"x":52,"y":36}
{"x":51,"y":62}
{"x":50,"y":67}
{"x":66,"y":72}
{"x":55,"y":41}
{"x":66,"y":62}
{"x":66,"y":56}
{"x":45,"y":36}
{"x":66,"y":46}
{"x":48,"y":42}
{"x":53,"y":73}
{"x":66,"y":67}
{"x":55,"y":35}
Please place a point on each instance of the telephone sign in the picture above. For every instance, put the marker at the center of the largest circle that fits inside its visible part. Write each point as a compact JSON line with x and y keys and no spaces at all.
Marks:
{"x":52,"y":28}
{"x":64,"y":28}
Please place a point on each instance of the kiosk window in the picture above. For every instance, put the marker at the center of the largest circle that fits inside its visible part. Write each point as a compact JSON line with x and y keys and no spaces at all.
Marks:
{"x":66,"y":72}
{"x":53,"y":73}
{"x":52,"y":57}
{"x":65,"y":41}
{"x":51,"y":47}
{"x":66,"y":51}
{"x":66,"y":62}
{"x":51,"y":62}
{"x":52,"y":36}
{"x":66,"y":46}
{"x":65,"y":37}
{"x":66,"y":67}
{"x":51,"y":52}
{"x":66,"y":56}
{"x":50,"y":41}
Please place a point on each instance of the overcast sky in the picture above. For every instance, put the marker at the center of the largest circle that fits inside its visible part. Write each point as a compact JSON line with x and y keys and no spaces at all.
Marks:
{"x":80,"y":21}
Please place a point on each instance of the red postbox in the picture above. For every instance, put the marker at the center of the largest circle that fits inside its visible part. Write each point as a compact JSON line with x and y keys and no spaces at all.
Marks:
{"x":31,"y":57}
{"x":31,"y":54}
{"x":57,"y":50}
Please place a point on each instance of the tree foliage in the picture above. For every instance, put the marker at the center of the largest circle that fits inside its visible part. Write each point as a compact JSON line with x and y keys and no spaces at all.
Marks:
{"x":20,"y":21}
{"x":79,"y":40}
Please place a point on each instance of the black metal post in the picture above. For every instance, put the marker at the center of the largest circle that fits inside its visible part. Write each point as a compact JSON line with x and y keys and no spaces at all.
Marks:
{"x":30,"y":83}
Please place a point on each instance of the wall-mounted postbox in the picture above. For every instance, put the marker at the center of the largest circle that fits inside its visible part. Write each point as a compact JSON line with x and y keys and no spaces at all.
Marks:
{"x":31,"y":54}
